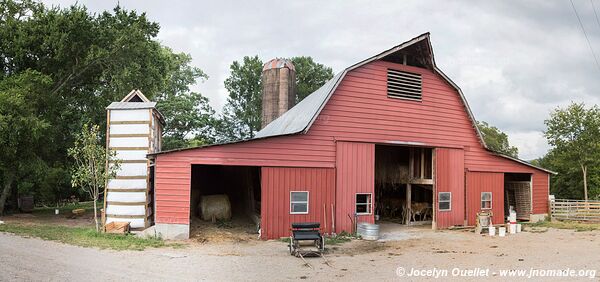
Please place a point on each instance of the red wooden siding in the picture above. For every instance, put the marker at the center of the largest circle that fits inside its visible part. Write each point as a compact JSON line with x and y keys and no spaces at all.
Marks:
{"x":478,"y":182}
{"x":540,"y":193}
{"x":277,"y":182}
{"x":450,"y":177}
{"x":294,"y":151}
{"x":355,"y":173}
{"x":172,"y":191}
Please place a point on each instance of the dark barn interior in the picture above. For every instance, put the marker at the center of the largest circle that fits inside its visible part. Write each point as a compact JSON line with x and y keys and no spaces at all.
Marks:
{"x":403,"y":175}
{"x":240,"y":183}
{"x":517,"y":193}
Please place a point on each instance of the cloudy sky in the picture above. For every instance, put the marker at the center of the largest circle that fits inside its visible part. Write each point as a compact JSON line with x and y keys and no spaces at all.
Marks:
{"x":514,"y":60}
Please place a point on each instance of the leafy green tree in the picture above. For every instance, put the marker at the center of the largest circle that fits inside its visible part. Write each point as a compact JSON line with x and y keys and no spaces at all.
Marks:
{"x":242,"y":112}
{"x":241,"y":117}
{"x":89,"y":60}
{"x":21,"y":130}
{"x":188,"y":114}
{"x":574,"y":134}
{"x":497,"y":140}
{"x":90,"y":172}
{"x":310,"y":75}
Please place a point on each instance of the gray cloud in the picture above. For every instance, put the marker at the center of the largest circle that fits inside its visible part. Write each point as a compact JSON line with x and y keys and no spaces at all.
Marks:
{"x":514,"y":60}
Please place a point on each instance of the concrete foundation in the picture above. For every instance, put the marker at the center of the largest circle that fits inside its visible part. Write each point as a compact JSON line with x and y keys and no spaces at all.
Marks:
{"x":538,"y":217}
{"x":168,"y":231}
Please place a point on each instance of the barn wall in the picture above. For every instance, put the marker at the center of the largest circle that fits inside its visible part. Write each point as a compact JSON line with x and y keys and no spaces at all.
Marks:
{"x":278,"y":182}
{"x":172,"y":190}
{"x":355,"y":173}
{"x":478,"y":182}
{"x":359,"y":110}
{"x":540,"y":193}
{"x":173,"y":170}
{"x":450,"y":177}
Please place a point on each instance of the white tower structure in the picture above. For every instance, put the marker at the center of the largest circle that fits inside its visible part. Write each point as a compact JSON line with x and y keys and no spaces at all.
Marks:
{"x":133,"y":130}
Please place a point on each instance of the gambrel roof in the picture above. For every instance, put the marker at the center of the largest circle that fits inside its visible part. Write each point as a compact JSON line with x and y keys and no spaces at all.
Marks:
{"x":300,"y":118}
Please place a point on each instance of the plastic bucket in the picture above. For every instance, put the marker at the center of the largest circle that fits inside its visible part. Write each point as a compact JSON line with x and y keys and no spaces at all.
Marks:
{"x":502,"y":231}
{"x":492,"y":231}
{"x":518,"y":228}
{"x":513,"y":228}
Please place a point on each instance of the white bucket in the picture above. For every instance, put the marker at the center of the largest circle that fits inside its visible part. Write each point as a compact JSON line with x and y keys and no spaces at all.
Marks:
{"x":501,"y":231}
{"x":492,"y":231}
{"x":519,"y":228}
{"x":513,"y":228}
{"x":56,"y":211}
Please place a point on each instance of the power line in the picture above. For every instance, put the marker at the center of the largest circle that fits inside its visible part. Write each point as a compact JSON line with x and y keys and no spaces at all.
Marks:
{"x":585,"y":34}
{"x":594,"y":7}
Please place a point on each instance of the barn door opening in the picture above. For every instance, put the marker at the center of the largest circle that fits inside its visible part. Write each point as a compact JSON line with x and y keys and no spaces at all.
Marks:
{"x":225,"y":202}
{"x":517,"y":194}
{"x":404,"y":185}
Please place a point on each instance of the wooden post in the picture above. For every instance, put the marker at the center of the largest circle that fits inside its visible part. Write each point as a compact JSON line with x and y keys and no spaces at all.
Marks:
{"x":407,"y":208}
{"x":408,"y":203}
{"x":434,"y":191}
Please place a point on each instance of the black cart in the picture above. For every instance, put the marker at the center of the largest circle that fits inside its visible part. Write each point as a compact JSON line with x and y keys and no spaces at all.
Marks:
{"x":306,"y":231}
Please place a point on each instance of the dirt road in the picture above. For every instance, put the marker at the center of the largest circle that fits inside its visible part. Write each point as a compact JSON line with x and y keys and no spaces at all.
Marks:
{"x":34,"y":259}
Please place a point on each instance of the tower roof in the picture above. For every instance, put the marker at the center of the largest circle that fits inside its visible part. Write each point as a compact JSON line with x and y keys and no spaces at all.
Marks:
{"x":279,"y":63}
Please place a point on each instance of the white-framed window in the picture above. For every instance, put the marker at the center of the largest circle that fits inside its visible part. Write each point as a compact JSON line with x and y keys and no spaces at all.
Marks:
{"x":298,"y":202}
{"x":364,"y":203}
{"x":444,"y":201}
{"x":486,"y":200}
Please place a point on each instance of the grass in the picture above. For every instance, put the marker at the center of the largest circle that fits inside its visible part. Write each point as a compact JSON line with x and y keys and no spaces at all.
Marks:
{"x":577,"y":226}
{"x":66,"y":209}
{"x":85,"y":237}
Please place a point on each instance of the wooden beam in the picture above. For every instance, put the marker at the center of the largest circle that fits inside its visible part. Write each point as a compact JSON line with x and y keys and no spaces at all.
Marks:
{"x":408,"y":201}
{"x":126,"y":203}
{"x":131,"y":122}
{"x":128,"y":135}
{"x":129,"y":148}
{"x":130,"y":177}
{"x":421,"y":181}
{"x":125,"y":216}
{"x":126,"y":190}
{"x":131,"y":161}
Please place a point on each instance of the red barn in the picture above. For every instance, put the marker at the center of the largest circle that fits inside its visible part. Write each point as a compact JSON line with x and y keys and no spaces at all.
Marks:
{"x":389,"y":130}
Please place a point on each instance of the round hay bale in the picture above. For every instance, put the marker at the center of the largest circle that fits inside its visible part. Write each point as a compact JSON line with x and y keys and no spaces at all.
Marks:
{"x":215,"y":207}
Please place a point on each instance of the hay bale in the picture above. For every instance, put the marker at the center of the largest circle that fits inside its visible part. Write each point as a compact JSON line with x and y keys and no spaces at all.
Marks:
{"x":215,"y":207}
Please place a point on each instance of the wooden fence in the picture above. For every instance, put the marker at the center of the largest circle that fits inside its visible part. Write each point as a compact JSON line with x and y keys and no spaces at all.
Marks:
{"x":578,"y":210}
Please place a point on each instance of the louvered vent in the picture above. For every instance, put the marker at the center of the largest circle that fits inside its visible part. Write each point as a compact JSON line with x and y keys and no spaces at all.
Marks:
{"x":403,"y":85}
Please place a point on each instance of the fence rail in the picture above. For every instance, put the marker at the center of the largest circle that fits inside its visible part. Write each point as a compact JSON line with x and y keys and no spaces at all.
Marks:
{"x":580,"y":210}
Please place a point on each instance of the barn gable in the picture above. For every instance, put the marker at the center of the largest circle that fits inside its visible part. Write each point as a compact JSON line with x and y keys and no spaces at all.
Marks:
{"x":415,"y":52}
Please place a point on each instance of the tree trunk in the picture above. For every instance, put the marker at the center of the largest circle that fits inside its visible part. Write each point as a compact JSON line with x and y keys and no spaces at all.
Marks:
{"x":585,"y":190}
{"x":96,"y":215}
{"x":6,"y":187}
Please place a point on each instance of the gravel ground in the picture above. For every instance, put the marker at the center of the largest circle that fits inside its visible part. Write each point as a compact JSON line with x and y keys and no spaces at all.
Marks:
{"x":30,"y":259}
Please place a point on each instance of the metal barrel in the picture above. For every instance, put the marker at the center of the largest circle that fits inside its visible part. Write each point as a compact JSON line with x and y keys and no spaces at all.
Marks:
{"x":368,"y":231}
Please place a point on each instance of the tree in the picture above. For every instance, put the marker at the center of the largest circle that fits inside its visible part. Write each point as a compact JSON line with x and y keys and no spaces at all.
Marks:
{"x":89,"y":60}
{"x":188,"y":114}
{"x":21,"y":130}
{"x":574,"y":134}
{"x":90,"y":172}
{"x":310,"y":75}
{"x":242,"y":112}
{"x":241,"y":117}
{"x":497,"y":140}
